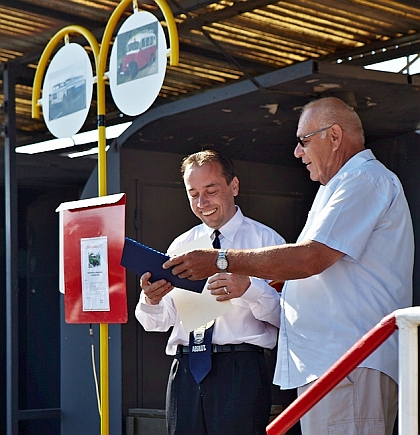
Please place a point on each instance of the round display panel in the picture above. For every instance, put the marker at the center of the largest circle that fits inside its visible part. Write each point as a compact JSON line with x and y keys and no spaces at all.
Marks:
{"x":67,"y":91}
{"x":137,"y":63}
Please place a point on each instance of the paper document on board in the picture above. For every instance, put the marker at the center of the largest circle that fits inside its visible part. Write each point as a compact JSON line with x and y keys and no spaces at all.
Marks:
{"x":196,"y":309}
{"x":95,"y":279}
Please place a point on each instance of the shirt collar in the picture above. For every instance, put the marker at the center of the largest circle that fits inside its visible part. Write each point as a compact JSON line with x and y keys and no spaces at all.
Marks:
{"x":356,"y":161}
{"x":230,"y":228}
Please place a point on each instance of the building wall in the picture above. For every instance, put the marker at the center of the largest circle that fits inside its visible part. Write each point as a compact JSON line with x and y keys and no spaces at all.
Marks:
{"x":38,"y":310}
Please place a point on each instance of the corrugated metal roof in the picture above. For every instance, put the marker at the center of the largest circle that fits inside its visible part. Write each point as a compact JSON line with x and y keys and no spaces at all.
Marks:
{"x":221,"y":42}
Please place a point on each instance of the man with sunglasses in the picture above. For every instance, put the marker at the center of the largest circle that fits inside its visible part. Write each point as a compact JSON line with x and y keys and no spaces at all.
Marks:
{"x":350,"y":267}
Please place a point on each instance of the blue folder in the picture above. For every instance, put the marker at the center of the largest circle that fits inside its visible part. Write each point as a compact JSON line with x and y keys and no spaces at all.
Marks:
{"x":139,"y":258}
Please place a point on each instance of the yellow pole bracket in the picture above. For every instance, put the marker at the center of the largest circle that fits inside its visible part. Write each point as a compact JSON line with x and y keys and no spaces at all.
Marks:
{"x":45,"y":58}
{"x":116,"y":15}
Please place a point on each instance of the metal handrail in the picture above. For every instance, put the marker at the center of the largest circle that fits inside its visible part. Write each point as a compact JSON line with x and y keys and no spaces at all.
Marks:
{"x":406,"y":321}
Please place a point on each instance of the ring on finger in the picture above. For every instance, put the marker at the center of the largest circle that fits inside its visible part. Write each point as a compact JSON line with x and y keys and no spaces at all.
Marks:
{"x":226,"y":290}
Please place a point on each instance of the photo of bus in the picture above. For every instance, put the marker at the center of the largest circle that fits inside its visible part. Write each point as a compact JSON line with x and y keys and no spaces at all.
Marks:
{"x":67,"y":96}
{"x":140,"y":52}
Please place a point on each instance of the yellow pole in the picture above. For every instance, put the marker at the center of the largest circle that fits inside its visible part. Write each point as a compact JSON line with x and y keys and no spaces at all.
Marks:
{"x":101,"y":68}
{"x":100,"y":55}
{"x":173,"y":31}
{"x":42,"y":65}
{"x":102,"y":191}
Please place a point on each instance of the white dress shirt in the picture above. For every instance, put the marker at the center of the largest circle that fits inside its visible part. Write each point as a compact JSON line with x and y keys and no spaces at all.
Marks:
{"x":254,"y":317}
{"x":361,"y":212}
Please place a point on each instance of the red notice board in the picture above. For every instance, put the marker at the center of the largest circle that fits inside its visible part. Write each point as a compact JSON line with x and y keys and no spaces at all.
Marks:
{"x":92,"y":235}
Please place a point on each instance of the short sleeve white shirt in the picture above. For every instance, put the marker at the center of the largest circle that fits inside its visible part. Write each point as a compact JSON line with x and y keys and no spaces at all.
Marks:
{"x":363,"y":213}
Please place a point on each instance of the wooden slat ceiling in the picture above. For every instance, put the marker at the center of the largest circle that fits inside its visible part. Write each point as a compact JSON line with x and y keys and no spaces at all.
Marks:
{"x":220,"y":42}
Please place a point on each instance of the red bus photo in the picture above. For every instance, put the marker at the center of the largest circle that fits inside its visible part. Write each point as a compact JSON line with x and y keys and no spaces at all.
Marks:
{"x":138,"y":53}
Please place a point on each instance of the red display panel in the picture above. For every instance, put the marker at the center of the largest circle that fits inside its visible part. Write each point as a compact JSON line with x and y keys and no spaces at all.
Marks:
{"x":82,"y":222}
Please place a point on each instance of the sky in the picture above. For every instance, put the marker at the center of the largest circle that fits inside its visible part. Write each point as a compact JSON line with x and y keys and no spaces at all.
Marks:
{"x":396,"y":65}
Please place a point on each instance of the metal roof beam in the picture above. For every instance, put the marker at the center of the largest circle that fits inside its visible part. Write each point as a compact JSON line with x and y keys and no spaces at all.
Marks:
{"x":222,"y":14}
{"x":383,"y":56}
{"x":393,"y":49}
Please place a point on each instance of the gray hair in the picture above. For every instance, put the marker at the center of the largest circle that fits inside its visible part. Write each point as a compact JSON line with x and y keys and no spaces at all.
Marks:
{"x":331,"y":110}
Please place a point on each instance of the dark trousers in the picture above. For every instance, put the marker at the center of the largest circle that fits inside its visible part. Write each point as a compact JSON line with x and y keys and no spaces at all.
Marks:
{"x":233,"y":399}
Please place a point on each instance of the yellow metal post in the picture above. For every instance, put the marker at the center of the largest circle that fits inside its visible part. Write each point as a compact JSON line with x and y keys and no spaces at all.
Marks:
{"x":103,"y":55}
{"x":100,"y":55}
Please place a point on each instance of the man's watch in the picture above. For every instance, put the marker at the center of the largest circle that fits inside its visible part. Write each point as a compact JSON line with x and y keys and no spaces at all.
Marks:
{"x":221,"y":261}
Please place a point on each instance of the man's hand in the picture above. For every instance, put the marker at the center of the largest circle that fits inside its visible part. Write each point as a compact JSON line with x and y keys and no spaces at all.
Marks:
{"x":154,"y":291}
{"x":195,"y":265}
{"x":228,"y":285}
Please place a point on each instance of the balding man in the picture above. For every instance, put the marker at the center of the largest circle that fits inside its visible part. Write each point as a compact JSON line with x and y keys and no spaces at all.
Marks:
{"x":351,"y":266}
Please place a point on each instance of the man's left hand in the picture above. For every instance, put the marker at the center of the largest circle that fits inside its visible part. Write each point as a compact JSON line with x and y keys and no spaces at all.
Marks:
{"x":228,"y":285}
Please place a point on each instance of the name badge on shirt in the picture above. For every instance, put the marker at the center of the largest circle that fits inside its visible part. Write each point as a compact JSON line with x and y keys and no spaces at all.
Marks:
{"x":198,"y":344}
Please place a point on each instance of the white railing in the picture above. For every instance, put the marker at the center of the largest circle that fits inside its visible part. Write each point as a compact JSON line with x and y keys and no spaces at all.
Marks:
{"x":406,"y":321}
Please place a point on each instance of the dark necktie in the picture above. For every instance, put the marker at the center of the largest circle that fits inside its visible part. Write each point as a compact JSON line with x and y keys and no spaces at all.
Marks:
{"x":200,"y":341}
{"x":216,"y":241}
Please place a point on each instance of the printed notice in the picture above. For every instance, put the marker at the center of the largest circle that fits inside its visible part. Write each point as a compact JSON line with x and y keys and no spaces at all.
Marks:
{"x":95,"y":284}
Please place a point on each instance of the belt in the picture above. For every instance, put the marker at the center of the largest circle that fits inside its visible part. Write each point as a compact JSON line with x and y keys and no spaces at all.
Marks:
{"x":224,"y":348}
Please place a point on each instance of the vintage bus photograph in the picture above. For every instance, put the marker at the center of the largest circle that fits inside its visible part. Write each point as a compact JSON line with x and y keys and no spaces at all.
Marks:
{"x":137,"y":53}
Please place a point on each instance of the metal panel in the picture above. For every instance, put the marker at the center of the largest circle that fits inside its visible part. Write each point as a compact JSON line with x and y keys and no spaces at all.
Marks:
{"x":11,"y":232}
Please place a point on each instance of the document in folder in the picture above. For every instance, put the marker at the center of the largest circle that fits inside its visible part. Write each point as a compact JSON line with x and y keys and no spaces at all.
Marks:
{"x":197,"y":309}
{"x":139,"y":258}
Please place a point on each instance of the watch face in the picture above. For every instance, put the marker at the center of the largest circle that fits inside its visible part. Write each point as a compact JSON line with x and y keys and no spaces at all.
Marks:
{"x":222,"y":263}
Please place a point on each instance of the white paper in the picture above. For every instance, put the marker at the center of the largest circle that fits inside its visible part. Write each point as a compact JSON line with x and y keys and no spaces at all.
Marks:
{"x":202,"y":242}
{"x":95,"y":283}
{"x":196,"y":309}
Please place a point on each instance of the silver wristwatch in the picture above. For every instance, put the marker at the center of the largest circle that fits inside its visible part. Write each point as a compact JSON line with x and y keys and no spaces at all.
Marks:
{"x":222,"y":262}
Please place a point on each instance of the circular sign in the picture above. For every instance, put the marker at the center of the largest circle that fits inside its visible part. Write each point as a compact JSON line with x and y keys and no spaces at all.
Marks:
{"x":67,"y":91}
{"x":137,"y":63}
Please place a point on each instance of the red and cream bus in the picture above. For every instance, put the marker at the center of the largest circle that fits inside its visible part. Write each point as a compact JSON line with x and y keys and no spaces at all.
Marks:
{"x":141,"y":51}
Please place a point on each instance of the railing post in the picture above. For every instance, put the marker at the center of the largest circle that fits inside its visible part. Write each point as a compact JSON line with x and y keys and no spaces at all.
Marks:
{"x":408,"y":320}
